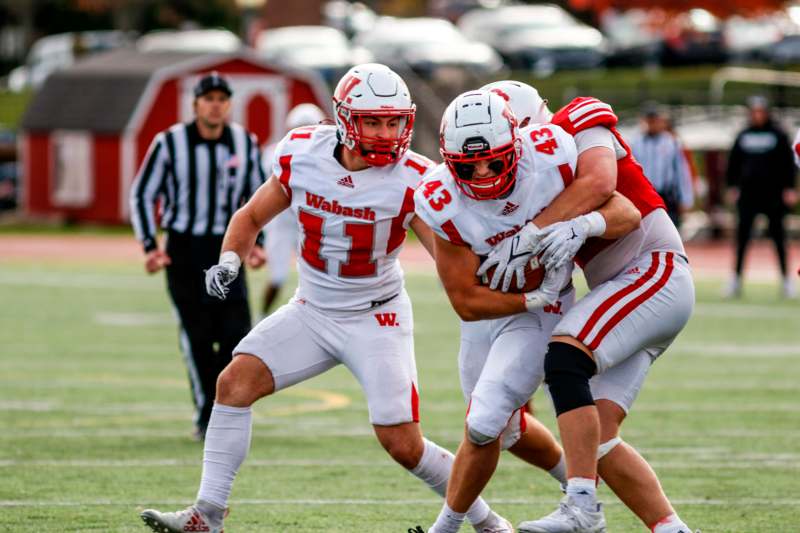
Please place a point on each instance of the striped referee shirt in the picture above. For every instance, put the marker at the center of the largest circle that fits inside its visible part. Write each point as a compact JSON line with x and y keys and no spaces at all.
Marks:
{"x":199,"y":182}
{"x":665,"y":165}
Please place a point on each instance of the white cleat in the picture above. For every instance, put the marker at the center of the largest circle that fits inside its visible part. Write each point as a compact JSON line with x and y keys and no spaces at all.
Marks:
{"x":568,"y":518}
{"x":789,"y":289}
{"x":188,"y":520}
{"x":733,"y":289}
{"x":494,"y":524}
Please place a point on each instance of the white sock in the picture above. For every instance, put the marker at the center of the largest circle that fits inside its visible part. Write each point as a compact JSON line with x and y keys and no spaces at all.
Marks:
{"x":448,"y":521}
{"x":226,"y":445}
{"x":583,"y":492}
{"x":434,"y":470}
{"x":670,"y":524}
{"x":559,"y":472}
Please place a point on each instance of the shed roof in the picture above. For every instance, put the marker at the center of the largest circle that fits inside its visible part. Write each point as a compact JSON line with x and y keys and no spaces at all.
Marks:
{"x":99,"y":93}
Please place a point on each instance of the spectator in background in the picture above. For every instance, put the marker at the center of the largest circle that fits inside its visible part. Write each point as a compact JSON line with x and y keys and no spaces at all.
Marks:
{"x":796,"y":148}
{"x":281,"y":232}
{"x":761,"y":177}
{"x":664,"y":163}
{"x":200,"y":172}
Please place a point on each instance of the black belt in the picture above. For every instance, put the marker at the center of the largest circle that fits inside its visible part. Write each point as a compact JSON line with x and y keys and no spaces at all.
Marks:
{"x":378,"y":303}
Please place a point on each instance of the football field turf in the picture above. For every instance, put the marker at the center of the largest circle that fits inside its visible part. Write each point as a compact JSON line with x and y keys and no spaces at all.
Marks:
{"x":95,"y":418}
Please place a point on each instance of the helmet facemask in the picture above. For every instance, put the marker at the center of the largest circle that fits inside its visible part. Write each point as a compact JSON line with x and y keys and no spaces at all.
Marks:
{"x":479,"y":130}
{"x":502,"y":162}
{"x":373,"y":90}
{"x":382,"y":151}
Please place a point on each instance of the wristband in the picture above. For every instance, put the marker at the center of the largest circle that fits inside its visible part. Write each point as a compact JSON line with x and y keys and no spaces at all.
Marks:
{"x":595,"y":224}
{"x":231,"y":260}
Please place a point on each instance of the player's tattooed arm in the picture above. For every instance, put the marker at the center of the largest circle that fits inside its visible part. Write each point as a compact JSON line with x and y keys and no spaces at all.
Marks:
{"x":595,"y":181}
{"x":423,"y":233}
{"x":472,"y":301}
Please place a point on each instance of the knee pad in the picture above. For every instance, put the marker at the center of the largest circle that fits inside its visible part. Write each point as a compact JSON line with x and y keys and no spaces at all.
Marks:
{"x":567,"y":371}
{"x":607,"y":446}
{"x":479,"y":439}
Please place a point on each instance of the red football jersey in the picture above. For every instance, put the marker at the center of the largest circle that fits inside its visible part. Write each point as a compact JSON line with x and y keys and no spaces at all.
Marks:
{"x":586,"y":112}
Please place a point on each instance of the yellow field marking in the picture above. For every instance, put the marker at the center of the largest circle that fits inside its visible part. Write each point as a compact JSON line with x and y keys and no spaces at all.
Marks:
{"x":326,"y":401}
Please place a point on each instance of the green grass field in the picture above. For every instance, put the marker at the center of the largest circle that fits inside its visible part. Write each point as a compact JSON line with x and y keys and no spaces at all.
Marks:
{"x":95,"y":416}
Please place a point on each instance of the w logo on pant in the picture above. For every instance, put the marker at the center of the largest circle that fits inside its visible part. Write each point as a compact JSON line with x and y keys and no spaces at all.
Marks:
{"x":387,"y":319}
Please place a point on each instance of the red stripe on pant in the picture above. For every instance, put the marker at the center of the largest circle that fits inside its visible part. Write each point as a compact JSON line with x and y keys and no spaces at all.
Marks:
{"x":633,"y":304}
{"x":414,"y":403}
{"x":617,"y":296}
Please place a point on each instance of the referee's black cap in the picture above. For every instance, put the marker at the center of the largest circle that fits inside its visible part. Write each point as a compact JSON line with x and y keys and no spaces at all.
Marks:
{"x":212,"y":82}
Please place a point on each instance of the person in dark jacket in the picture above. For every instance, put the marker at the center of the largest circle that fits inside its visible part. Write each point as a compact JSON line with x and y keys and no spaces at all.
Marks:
{"x":761,"y":178}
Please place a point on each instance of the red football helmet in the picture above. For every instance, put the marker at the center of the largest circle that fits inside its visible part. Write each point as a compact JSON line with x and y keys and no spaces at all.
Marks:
{"x":373,"y":90}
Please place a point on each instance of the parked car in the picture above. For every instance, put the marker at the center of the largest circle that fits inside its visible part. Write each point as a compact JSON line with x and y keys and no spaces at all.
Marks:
{"x":426,"y":45}
{"x":634,"y":37}
{"x":785,"y":52}
{"x":8,"y":169}
{"x":350,"y":17}
{"x":319,"y":48}
{"x":54,"y":52}
{"x":206,"y":40}
{"x":543,"y":38}
{"x":694,"y":37}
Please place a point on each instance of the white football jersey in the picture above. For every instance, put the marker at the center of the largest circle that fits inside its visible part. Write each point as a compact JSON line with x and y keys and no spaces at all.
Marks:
{"x":352,"y":224}
{"x":546,"y":167}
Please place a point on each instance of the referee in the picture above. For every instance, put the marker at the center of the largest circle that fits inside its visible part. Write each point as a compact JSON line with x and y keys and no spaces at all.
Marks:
{"x":199,"y":174}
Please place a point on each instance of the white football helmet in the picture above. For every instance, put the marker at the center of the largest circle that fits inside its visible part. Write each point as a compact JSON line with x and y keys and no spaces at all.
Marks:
{"x":479,"y":126}
{"x":304,"y":115}
{"x":526,"y":103}
{"x":375,"y":90}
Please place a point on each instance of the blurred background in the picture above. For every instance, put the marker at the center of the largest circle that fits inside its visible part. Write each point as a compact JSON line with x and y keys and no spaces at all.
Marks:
{"x":94,"y":405}
{"x":60,"y":78}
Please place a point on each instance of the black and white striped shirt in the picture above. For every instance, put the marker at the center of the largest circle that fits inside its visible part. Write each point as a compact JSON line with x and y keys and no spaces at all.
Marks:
{"x":200,"y":183}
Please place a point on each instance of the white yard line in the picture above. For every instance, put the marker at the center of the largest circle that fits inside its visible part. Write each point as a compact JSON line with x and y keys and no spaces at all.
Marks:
{"x":702,"y":460}
{"x":382,"y":502}
{"x":302,"y":432}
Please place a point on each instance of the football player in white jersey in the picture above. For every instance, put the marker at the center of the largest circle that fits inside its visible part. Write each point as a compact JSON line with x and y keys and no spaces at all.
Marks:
{"x":351,"y":188}
{"x":641,"y":296}
{"x":495,"y":179}
{"x":281,"y":233}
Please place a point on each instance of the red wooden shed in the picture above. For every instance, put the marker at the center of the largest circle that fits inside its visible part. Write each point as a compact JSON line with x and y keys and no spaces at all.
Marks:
{"x":89,"y":127}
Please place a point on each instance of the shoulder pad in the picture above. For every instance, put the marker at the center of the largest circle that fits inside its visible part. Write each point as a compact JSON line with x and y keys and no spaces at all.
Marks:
{"x":436,"y":199}
{"x":416,"y":164}
{"x":548,"y":146}
{"x":583,"y":113}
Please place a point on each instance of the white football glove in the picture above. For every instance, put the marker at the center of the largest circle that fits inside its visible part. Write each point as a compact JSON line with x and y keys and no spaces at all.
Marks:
{"x":561,"y":241}
{"x":547,"y":294}
{"x":511,"y":256}
{"x":219,"y":276}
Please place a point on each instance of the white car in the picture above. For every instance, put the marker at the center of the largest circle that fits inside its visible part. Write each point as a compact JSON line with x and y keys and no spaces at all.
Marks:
{"x":199,"y":41}
{"x":426,"y":44}
{"x":540,"y":37}
{"x":61,"y":50}
{"x":320,"y":48}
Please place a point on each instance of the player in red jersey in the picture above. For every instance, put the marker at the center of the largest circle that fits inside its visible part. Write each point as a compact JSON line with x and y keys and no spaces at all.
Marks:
{"x":613,"y":331}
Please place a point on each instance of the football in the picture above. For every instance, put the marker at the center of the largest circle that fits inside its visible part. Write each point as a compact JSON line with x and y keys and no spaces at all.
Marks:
{"x":534,"y":273}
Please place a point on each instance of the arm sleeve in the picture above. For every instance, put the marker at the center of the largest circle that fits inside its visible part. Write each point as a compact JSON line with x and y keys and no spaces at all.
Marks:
{"x":144,"y":191}
{"x":598,"y":136}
